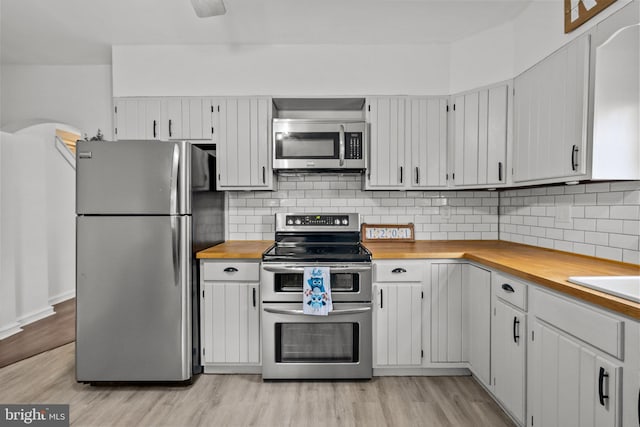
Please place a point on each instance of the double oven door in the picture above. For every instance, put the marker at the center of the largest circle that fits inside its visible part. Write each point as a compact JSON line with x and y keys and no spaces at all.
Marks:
{"x":302,"y":346}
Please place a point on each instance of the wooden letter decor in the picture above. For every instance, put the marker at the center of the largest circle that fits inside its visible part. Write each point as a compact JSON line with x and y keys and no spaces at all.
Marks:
{"x":577,"y":12}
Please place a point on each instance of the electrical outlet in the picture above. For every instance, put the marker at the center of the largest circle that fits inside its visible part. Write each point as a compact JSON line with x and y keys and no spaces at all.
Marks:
{"x":445,"y":212}
{"x":563,"y":213}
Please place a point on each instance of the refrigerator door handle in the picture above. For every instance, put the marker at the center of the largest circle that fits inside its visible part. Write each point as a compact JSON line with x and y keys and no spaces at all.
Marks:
{"x":174,"y":178}
{"x":174,"y":250}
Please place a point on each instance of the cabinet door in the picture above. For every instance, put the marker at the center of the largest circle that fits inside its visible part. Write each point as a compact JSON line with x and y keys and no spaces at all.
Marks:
{"x":386,"y":168}
{"x":550,"y":109}
{"x":569,"y":384}
{"x":242,"y":143}
{"x":189,"y":118}
{"x":137,"y":119}
{"x":231,"y":322}
{"x":478,"y":291}
{"x":448,"y":313}
{"x":508,"y":357}
{"x":398,"y":320}
{"x":480,"y":137}
{"x":176,"y":126}
{"x":427,"y":134}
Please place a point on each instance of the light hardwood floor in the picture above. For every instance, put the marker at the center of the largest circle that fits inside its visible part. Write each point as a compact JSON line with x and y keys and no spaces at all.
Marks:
{"x":245,"y":400}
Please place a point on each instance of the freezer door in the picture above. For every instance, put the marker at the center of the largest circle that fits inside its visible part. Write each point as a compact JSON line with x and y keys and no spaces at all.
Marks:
{"x":133,"y":177}
{"x":133,"y":288}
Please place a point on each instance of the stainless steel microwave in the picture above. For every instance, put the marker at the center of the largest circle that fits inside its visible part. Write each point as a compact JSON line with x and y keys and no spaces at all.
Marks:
{"x":319,"y":144}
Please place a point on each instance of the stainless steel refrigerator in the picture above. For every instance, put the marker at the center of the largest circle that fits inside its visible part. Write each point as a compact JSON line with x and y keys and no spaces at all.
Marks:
{"x":143,"y":209}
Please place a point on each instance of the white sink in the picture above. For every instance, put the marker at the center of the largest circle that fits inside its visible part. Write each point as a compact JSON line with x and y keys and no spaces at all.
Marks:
{"x":627,"y":287}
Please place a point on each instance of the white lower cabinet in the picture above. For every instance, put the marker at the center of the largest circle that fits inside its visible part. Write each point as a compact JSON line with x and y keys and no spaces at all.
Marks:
{"x":397,"y":314}
{"x":508,"y":344}
{"x":230,"y":316}
{"x":448,"y":312}
{"x":573,"y":378}
{"x":478,"y":291}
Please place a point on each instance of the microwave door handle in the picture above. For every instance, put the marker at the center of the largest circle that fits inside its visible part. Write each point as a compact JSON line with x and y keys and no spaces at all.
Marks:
{"x":341,"y":145}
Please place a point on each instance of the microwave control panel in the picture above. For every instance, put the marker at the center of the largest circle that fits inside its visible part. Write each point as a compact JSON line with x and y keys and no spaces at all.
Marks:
{"x":353,"y":145}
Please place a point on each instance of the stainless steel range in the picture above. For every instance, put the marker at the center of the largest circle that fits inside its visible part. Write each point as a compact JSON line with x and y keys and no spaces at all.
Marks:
{"x":302,"y":346}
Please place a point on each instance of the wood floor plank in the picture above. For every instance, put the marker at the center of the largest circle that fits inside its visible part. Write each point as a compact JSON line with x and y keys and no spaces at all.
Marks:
{"x":245,"y":400}
{"x":45,"y":334}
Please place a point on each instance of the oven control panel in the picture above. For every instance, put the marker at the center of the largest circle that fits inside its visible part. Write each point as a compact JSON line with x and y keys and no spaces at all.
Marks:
{"x":318,"y":220}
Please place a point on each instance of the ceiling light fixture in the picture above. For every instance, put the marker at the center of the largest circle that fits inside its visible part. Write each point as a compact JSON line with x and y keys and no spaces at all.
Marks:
{"x":207,"y":8}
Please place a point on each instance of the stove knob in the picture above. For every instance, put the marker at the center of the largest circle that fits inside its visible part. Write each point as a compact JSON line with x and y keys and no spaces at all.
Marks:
{"x":289,"y":222}
{"x":336,"y":221}
{"x":298,"y":222}
{"x":345,"y":221}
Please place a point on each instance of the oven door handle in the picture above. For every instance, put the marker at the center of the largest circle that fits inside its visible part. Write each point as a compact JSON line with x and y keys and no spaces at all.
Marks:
{"x":333,"y":269}
{"x":331,"y":313}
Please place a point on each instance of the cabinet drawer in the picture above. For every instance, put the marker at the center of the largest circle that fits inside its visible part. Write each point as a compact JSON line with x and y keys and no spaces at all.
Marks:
{"x":402,"y":271}
{"x":593,"y":327}
{"x":511,"y":290}
{"x":226,"y":271}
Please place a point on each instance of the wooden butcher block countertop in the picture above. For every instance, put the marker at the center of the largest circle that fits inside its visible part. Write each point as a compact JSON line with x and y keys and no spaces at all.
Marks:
{"x":239,"y":249}
{"x":545,"y":267}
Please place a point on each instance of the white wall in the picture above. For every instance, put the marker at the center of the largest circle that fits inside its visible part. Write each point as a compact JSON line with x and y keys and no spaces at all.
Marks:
{"x":313,"y":70}
{"x":8,"y":314}
{"x":76,"y":94}
{"x":24,"y":231}
{"x":505,"y":51}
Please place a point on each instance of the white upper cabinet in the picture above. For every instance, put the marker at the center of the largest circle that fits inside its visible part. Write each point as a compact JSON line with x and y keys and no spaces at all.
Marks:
{"x":427,"y":137}
{"x":137,"y":118}
{"x":189,"y":118}
{"x":163,"y":118}
{"x":479,"y":143}
{"x":551,"y":105}
{"x":243,"y":149}
{"x":386,"y":164}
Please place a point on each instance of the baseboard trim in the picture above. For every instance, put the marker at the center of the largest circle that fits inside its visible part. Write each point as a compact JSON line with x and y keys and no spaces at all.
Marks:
{"x":57,"y":299}
{"x":10,"y":329}
{"x":35,"y":316}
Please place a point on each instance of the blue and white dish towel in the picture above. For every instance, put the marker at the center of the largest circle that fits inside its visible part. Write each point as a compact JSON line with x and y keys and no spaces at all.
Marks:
{"x":316,"y":298}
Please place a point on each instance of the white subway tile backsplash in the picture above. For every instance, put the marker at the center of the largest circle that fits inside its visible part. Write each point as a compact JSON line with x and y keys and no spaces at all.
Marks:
{"x":605,"y":216}
{"x":611,"y":198}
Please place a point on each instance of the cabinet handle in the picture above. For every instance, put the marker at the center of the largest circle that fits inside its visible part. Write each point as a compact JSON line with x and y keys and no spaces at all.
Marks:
{"x":399,"y":270}
{"x":499,"y":171}
{"x":417,"y":175}
{"x":170,"y":133}
{"x":601,"y":376}
{"x":381,"y":299}
{"x":401,"y":174}
{"x":154,"y":129}
{"x":230,"y":270}
{"x":254,"y":296}
{"x":264,"y":175}
{"x":516,"y":332}
{"x":638,"y":406}
{"x":574,"y":158}
{"x":507,"y":287}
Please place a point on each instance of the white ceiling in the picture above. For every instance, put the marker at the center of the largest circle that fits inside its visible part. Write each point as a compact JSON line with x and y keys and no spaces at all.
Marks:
{"x":83,"y":31}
